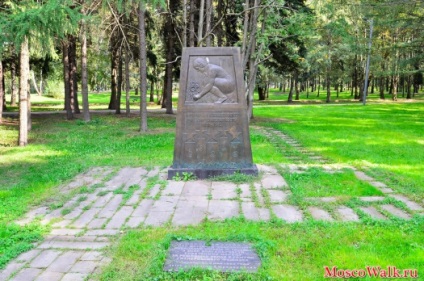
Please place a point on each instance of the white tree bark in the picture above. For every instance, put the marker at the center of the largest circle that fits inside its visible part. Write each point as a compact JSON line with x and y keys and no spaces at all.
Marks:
{"x":23,"y":94}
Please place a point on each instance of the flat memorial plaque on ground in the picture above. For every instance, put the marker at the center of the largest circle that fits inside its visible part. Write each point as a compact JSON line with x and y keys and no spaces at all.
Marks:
{"x":221,"y":256}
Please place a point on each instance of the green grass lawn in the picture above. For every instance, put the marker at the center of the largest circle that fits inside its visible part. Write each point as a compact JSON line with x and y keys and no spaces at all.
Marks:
{"x":318,"y":183}
{"x":97,"y":101}
{"x":288,"y":252}
{"x":385,"y":139}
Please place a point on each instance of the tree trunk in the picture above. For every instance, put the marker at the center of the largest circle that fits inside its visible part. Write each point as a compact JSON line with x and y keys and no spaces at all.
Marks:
{"x":114,"y":75}
{"x":328,"y":82}
{"x":1,"y":92}
{"x":245,"y":32}
{"x":29,"y":120}
{"x":143,"y":67}
{"x":84,"y":80}
{"x":192,"y":31}
{"x":66,"y":80}
{"x":152,"y":91}
{"x":184,"y":24}
{"x":408,"y":90}
{"x":319,"y":86}
{"x":219,"y":29}
{"x":127,"y":83}
{"x":382,"y":88}
{"x":169,"y":58}
{"x":261,"y":92}
{"x":253,"y":69}
{"x":119,"y":85}
{"x":168,"y":89}
{"x":14,"y":89}
{"x":395,"y":87}
{"x":355,"y":78}
{"x":290,"y":96}
{"x":296,"y":86}
{"x":73,"y":73}
{"x":200,"y":28}
{"x":34,"y":83}
{"x":208,"y":21}
{"x":164,"y":89}
{"x":23,"y":94}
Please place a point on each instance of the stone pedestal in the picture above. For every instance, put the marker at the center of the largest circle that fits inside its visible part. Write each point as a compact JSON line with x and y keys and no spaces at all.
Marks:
{"x":212,"y":135}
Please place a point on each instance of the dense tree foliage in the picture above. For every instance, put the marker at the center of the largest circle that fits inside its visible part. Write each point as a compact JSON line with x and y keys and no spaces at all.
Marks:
{"x":115,"y":45}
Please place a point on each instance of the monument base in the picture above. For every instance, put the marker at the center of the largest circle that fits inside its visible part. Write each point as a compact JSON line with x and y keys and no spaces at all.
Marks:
{"x":204,"y":173}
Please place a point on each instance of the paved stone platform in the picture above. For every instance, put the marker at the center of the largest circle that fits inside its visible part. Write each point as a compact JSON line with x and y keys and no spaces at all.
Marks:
{"x":109,"y":202}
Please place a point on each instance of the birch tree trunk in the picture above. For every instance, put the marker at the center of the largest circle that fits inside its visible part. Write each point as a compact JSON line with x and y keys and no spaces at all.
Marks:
{"x":23,"y":94}
{"x":34,"y":83}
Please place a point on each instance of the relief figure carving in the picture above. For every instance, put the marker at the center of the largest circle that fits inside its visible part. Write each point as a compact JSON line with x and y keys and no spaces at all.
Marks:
{"x":217,"y":80}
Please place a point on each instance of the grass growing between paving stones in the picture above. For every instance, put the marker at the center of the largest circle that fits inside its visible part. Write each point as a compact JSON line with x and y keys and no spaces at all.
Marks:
{"x":384,"y":138}
{"x":15,"y":240}
{"x":58,"y":151}
{"x":387,"y":139}
{"x":316,"y":182}
{"x":288,"y":251}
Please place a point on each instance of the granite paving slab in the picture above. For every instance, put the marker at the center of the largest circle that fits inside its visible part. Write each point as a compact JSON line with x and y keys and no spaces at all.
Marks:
{"x":220,"y":210}
{"x":223,"y":190}
{"x":347,"y":214}
{"x":277,"y":196}
{"x":190,"y":212}
{"x":372,"y":211}
{"x":288,"y":213}
{"x":196,"y":188}
{"x":408,"y":202}
{"x":319,"y":214}
{"x":396,"y":211}
{"x":273,"y":181}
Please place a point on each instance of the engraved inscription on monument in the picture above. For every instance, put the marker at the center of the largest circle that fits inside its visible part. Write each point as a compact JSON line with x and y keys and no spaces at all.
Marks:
{"x":222,"y":256}
{"x":212,"y":128}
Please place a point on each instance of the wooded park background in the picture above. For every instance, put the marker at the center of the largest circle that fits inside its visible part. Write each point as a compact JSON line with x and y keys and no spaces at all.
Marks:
{"x":68,"y":48}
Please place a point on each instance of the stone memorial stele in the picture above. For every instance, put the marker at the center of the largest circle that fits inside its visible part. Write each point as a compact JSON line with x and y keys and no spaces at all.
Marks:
{"x":221,"y":256}
{"x":212,"y":127}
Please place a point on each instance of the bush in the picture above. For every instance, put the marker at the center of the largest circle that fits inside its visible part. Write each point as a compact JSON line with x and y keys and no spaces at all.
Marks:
{"x":55,"y":89}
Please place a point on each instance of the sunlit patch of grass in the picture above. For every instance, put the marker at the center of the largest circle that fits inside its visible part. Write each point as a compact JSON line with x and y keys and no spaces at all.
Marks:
{"x":287,"y":251}
{"x":319,"y":183}
{"x":378,"y":136}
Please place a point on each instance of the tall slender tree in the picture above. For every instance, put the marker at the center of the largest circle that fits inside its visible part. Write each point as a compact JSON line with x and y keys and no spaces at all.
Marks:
{"x":2,"y":95}
{"x":84,"y":78}
{"x":23,"y":93}
{"x":143,"y":67}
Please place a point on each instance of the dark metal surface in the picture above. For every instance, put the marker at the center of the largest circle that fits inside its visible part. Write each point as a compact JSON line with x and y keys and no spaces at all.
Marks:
{"x":212,"y":128}
{"x":221,"y":256}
